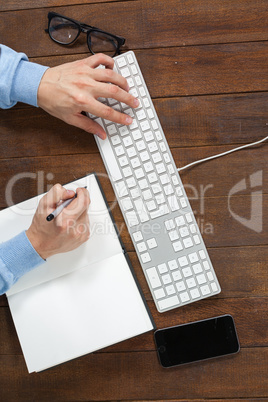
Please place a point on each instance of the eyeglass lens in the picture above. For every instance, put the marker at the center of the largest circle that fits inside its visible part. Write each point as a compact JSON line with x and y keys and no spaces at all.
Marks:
{"x":101,"y":42}
{"x":62,"y":30}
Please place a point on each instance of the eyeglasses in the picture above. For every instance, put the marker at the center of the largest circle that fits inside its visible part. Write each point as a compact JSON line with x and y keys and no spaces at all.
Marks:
{"x":65,"y":31}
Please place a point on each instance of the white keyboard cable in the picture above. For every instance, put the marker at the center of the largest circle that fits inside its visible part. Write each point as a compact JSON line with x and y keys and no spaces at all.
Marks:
{"x":222,"y":154}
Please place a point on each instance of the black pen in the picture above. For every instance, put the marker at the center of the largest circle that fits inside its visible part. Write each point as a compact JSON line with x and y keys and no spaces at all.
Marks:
{"x":60,"y":208}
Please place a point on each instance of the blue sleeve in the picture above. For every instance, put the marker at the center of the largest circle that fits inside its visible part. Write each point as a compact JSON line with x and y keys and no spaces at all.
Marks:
{"x":17,"y":256}
{"x":19,"y":78}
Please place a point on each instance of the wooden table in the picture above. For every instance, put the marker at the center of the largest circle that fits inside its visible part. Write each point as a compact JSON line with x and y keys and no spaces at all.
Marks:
{"x":206,"y":67}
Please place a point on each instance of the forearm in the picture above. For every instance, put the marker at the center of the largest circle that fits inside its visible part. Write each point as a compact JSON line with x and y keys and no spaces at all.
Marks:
{"x":19,"y":78}
{"x":17,"y":257}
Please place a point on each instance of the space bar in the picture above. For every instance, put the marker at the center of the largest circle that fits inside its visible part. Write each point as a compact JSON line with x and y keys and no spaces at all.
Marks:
{"x":108,"y":156}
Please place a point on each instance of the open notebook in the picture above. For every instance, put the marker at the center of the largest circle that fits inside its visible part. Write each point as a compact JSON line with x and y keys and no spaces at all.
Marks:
{"x":80,"y":301}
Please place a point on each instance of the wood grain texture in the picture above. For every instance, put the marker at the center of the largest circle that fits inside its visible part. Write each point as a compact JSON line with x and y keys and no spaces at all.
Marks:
{"x":138,"y":376}
{"x":32,"y":4}
{"x":202,"y":121}
{"x":145,"y":23}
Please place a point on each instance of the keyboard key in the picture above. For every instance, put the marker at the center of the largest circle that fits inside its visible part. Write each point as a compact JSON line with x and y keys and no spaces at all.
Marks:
{"x":125,"y":72}
{"x":135,"y":162}
{"x":121,"y":62}
{"x":131,"y":182}
{"x":173,"y":203}
{"x":183,"y":261}
{"x":127,"y":141}
{"x":214,"y":287}
{"x":135,"y":192}
{"x":170,"y":290}
{"x":172,"y":265}
{"x":123,"y":161}
{"x":201,"y":279}
{"x":139,"y":173}
{"x":193,"y":257}
{"x":141,"y":114}
{"x":166,"y":279}
{"x":111,"y":161}
{"x":141,"y":247}
{"x":205,"y":290}
{"x":153,"y":277}
{"x":180,"y":286}
{"x":176,"y":276}
{"x":186,"y":272}
{"x":188,"y":242}
{"x":162,"y":268}
{"x":180,"y":220}
{"x":138,"y":236}
{"x":123,"y":130}
{"x":206,"y":265}
{"x":163,"y":210}
{"x":194,"y":293}
{"x":145,"y":257}
{"x":141,"y":210}
{"x":197,"y":239}
{"x":173,"y":235}
{"x":147,"y":194}
{"x":132,"y":218}
{"x":159,"y":293}
{"x":169,"y":224}
{"x":127,"y":204}
{"x":191,"y":282}
{"x":202,"y":254}
{"x":197,"y":268}
{"x":184,"y":297}
{"x":169,"y":302}
{"x":177,"y":246}
{"x":151,"y":243}
{"x":157,"y":157}
{"x":121,"y":189}
{"x":148,"y":136}
{"x":184,"y":231}
{"x":151,"y":205}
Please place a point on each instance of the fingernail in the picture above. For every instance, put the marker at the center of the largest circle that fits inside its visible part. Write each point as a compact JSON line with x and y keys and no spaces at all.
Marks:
{"x":101,"y":136}
{"x":128,"y":88}
{"x":136,"y":102}
{"x":128,"y":120}
{"x":70,"y":192}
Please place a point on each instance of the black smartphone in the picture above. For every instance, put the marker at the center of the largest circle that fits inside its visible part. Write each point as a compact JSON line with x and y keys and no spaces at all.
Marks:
{"x":196,"y":341}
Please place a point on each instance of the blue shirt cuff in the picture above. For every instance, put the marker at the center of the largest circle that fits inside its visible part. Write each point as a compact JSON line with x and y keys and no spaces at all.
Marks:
{"x":18,"y":257}
{"x":26,"y":82}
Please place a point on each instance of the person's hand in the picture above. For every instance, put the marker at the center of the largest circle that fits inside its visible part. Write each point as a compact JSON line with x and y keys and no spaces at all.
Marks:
{"x":69,"y":89}
{"x":65,"y":232}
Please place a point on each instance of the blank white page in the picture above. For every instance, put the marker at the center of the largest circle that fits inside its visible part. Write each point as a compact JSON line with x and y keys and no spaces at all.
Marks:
{"x":103,"y":240}
{"x":81,"y":312}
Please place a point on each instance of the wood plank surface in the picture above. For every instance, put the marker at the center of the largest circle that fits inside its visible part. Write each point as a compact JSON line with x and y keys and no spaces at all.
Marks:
{"x":202,"y":121}
{"x":147,"y":23}
{"x":138,"y":375}
{"x":205,"y":65}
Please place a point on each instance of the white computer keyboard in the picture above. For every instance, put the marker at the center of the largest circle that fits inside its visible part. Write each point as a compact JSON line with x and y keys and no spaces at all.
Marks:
{"x":153,"y":201}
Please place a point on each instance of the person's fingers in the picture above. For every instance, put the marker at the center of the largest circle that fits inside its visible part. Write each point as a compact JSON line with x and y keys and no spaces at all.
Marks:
{"x":106,"y":112}
{"x":110,"y":76}
{"x":56,"y":194}
{"x":78,"y":206}
{"x":100,"y":58}
{"x":88,"y":125}
{"x":113,"y":91}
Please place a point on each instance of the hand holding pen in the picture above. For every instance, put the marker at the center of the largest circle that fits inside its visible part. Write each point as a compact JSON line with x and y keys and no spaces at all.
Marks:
{"x":69,"y":230}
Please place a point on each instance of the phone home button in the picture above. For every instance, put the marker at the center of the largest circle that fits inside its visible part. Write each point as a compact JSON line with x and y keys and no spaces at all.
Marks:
{"x":162,"y":349}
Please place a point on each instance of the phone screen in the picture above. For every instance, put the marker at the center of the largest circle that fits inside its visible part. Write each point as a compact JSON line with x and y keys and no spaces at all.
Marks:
{"x":196,"y":341}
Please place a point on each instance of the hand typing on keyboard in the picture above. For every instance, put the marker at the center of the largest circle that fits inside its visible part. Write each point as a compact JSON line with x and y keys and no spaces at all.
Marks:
{"x":67,"y":90}
{"x":153,"y":201}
